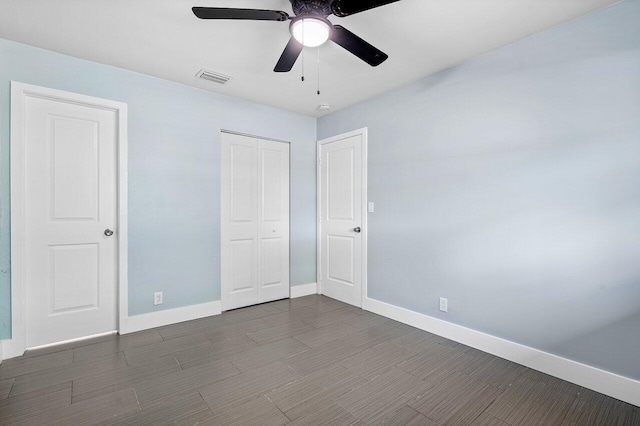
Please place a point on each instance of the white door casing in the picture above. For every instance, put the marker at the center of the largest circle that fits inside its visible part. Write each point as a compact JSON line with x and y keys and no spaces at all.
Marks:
{"x":342,"y":219}
{"x":254,"y":220}
{"x":67,"y":159}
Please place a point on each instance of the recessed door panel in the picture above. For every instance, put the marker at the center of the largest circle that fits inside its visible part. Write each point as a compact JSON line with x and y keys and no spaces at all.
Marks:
{"x":242,"y":183}
{"x":340,"y":184}
{"x":243,"y":257}
{"x":272,"y":192}
{"x":340,"y":258}
{"x":74,"y":278}
{"x":271,"y":262}
{"x":74,"y":168}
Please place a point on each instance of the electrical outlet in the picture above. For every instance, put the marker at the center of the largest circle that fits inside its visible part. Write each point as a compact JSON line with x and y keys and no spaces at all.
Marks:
{"x":157,"y":298}
{"x":444,"y":304}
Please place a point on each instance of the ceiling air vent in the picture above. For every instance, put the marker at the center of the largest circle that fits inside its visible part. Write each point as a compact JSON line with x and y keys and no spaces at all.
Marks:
{"x":213,"y":76}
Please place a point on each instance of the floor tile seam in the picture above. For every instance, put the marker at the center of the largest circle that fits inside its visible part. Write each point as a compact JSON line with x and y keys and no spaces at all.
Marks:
{"x":532,"y":402}
{"x":347,"y":410}
{"x":433,"y":384}
{"x":46,"y":394}
{"x":243,"y":399}
{"x":280,"y":359}
{"x":493,"y":402}
{"x":61,"y":349}
{"x":495,"y":398}
{"x":249,"y":337}
{"x":566,"y":415}
{"x":38,"y":371}
{"x":276,"y":405}
{"x":494,"y":416}
{"x":28,"y":416}
{"x":308,"y":348}
{"x":403,"y":397}
{"x":135,"y":392}
{"x":205,"y":403}
{"x":169,"y":354}
{"x":117,"y":352}
{"x":11,"y":388}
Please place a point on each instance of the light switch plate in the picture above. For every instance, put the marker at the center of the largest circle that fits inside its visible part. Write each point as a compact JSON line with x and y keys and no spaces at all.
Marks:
{"x":371,"y":207}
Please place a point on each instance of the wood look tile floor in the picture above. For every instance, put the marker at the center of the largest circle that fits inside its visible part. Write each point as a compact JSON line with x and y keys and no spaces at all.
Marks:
{"x":306,"y":361}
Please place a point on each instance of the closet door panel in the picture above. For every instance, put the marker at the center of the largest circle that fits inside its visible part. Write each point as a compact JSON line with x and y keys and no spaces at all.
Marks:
{"x":273,"y":172}
{"x":239,"y":227}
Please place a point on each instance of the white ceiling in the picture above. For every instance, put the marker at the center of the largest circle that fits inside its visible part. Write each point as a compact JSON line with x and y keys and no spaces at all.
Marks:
{"x":163,"y":38}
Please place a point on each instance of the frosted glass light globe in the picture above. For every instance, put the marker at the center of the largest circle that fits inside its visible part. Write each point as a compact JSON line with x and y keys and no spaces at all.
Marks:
{"x":310,"y":32}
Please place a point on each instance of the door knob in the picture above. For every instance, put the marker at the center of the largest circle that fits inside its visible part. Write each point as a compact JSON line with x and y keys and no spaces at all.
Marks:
{"x":108,"y":232}
{"x":357,"y":230}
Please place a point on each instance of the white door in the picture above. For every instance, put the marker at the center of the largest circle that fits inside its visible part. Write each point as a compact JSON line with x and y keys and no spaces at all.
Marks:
{"x":273,"y":220}
{"x":341,"y":219}
{"x":254,"y":221}
{"x":70,"y":201}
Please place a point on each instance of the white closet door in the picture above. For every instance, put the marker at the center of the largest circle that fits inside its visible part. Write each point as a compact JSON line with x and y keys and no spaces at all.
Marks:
{"x":273,"y":232}
{"x":254,"y":221}
{"x":239,"y":221}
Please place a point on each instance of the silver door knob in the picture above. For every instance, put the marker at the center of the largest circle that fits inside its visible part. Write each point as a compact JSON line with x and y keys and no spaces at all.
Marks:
{"x":108,"y":232}
{"x":357,"y":230}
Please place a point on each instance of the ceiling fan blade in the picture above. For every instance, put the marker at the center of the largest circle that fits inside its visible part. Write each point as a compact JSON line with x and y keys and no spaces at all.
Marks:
{"x":343,"y":8}
{"x":230,"y":13}
{"x":354,"y":44}
{"x":289,"y":56}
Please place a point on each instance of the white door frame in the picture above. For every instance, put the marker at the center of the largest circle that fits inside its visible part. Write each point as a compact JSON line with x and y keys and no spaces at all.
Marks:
{"x":363,"y":132}
{"x":19,"y":94}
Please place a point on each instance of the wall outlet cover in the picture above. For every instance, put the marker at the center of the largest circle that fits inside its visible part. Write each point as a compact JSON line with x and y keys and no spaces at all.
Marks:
{"x":157,"y":298}
{"x":444,"y":304}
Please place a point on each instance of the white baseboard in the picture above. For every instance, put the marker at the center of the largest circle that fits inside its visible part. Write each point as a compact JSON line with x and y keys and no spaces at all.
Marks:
{"x":12,"y":348}
{"x":169,"y":316}
{"x":614,"y":385}
{"x":303,"y":290}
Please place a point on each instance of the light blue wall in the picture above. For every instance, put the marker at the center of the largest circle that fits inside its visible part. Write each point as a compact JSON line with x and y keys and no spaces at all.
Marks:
{"x":510,"y":185}
{"x":174,"y":174}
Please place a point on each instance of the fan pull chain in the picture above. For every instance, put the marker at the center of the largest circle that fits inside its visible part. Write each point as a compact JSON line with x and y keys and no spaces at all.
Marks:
{"x":302,"y":52}
{"x":318,"y":70}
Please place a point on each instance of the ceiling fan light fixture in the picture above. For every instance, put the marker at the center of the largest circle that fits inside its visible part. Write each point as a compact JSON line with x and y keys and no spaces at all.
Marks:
{"x":311,"y":31}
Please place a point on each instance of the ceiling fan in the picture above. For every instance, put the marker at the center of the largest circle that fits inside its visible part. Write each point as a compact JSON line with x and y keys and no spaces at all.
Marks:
{"x":310,"y":26}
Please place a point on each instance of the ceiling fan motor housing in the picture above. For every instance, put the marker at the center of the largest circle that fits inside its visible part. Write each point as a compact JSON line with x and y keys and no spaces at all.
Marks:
{"x":320,"y":8}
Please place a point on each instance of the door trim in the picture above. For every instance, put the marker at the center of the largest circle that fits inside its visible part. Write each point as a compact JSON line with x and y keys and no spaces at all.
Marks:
{"x":364,"y":133}
{"x":19,"y":93}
